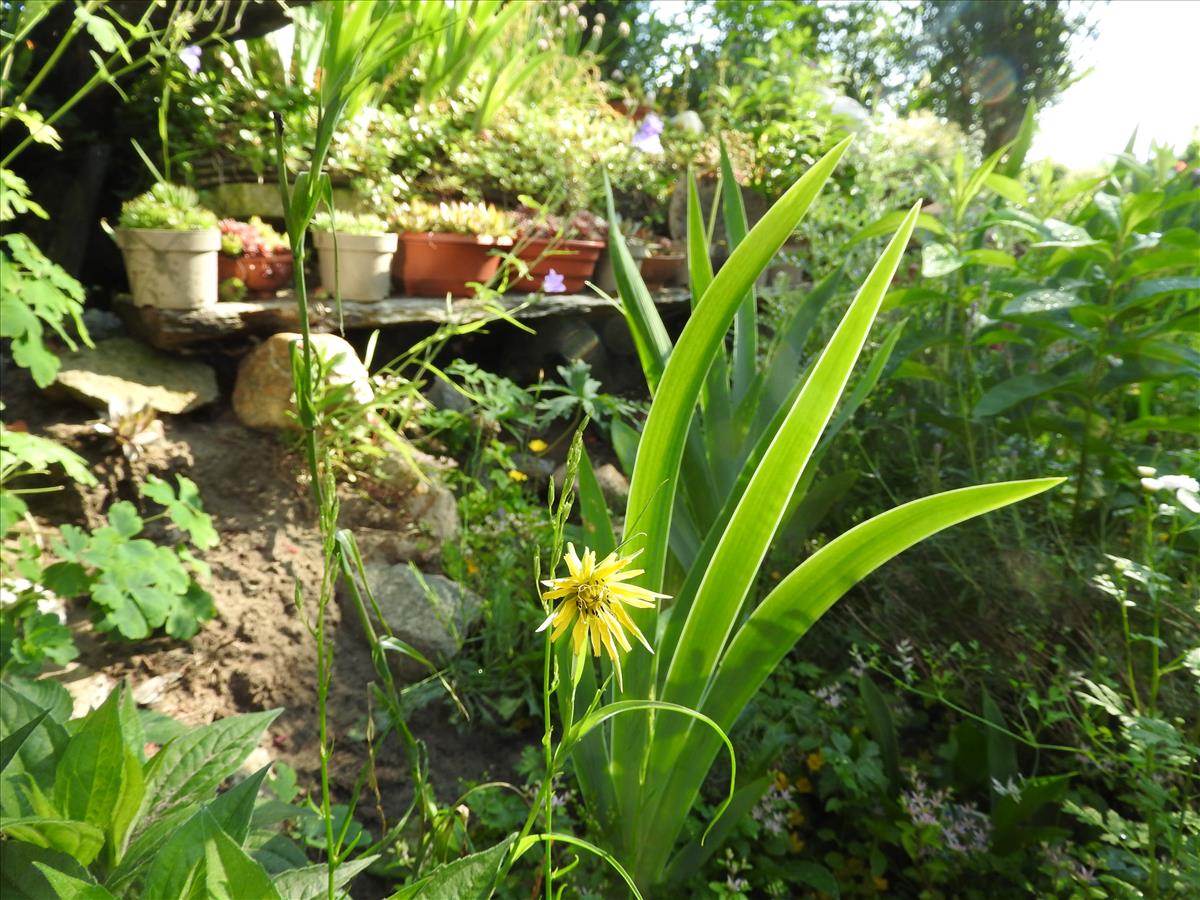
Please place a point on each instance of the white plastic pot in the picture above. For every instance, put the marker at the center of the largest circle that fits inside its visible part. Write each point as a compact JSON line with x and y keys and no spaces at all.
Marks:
{"x":364,"y":264}
{"x":171,"y":269}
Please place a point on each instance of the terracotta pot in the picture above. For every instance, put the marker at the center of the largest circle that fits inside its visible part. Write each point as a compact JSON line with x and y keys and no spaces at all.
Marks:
{"x":431,"y":264}
{"x":575,"y":261}
{"x":171,"y":269}
{"x":362,"y":264}
{"x":262,"y":275}
{"x":659,"y":271}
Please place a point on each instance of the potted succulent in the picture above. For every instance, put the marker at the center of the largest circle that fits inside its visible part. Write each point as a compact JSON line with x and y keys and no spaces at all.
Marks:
{"x":359,"y":255}
{"x":256,"y":254}
{"x":445,"y":247}
{"x":571,"y":246}
{"x":170,"y":243}
{"x":662,"y":261}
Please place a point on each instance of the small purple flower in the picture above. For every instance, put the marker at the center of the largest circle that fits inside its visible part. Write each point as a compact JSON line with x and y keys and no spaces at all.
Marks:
{"x":553,"y":283}
{"x":190,"y":56}
{"x":647,"y":137}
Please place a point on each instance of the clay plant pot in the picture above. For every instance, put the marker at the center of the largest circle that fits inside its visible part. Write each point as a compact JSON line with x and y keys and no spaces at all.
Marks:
{"x":659,"y":271}
{"x":263,"y":276}
{"x":575,"y":261}
{"x":431,"y":264}
{"x":363,"y":264}
{"x":171,"y":269}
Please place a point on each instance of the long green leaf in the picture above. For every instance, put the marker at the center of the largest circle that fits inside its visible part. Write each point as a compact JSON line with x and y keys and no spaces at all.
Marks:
{"x":803,"y":596}
{"x":745,"y":325}
{"x":649,"y":334}
{"x":735,"y":563}
{"x":652,"y":489}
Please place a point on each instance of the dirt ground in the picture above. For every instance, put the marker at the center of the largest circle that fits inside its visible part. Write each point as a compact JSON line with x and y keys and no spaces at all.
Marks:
{"x":257,"y":654}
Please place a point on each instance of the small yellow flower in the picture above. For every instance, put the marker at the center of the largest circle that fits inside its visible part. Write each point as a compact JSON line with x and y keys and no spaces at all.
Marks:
{"x":796,"y":816}
{"x":881,"y":883}
{"x":802,"y":786}
{"x":796,"y":843}
{"x":537,"y":445}
{"x":781,"y":780}
{"x":814,"y":761}
{"x":472,"y":567}
{"x":517,"y":475}
{"x":594,"y":597}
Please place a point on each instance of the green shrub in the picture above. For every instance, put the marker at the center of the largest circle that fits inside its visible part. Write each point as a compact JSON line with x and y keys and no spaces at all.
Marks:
{"x":350,"y":223}
{"x":455,"y":217}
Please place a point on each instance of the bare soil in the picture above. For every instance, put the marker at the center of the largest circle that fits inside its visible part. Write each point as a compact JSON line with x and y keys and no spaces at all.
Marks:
{"x":257,"y":654}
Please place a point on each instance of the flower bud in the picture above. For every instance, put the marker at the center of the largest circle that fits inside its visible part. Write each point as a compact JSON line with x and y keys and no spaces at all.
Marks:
{"x":601,"y":19}
{"x":583,"y":23}
{"x":623,"y":29}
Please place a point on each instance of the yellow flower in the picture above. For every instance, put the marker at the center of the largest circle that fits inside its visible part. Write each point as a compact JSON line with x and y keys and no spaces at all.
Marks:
{"x":802,"y":786}
{"x":814,"y":761}
{"x":795,"y":842}
{"x":880,"y":883}
{"x":517,"y":475}
{"x":537,"y":445}
{"x":594,"y":597}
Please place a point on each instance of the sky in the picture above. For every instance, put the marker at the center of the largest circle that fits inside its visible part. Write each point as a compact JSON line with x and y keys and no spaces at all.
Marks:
{"x":1146,"y":75}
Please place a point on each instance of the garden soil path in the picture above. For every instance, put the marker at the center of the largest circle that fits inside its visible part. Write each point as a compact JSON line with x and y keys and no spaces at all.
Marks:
{"x":257,"y":654}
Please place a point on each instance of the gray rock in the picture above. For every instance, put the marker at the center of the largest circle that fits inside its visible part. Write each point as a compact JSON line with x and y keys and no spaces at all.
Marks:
{"x":430,"y":612}
{"x":124,"y":371}
{"x":442,"y":396}
{"x":613,"y":484}
{"x":102,"y":324}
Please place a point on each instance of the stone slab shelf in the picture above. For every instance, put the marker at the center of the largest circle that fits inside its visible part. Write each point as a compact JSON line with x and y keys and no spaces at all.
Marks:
{"x":171,"y":329}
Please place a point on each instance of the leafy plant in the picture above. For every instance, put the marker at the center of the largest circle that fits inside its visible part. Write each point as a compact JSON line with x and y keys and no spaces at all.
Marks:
{"x":641,"y":782}
{"x":455,"y":217}
{"x":253,"y":238}
{"x":171,"y":207}
{"x":579,"y":397}
{"x":350,"y":223}
{"x":36,"y":295}
{"x":136,"y":585}
{"x":89,"y":808}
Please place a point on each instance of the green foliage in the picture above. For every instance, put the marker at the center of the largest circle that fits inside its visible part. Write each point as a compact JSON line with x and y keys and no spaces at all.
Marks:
{"x":479,"y":219}
{"x":171,"y":207}
{"x":350,"y":223}
{"x":987,"y":61}
{"x":36,"y":295}
{"x":136,"y":586}
{"x":85,"y":813}
{"x":709,"y":654}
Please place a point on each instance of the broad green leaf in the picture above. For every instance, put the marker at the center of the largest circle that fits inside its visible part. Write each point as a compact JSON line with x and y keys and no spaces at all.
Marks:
{"x":976,"y":181}
{"x":234,"y":808}
{"x":1137,"y":208}
{"x":202,"y":861}
{"x":13,"y":742}
{"x":1033,"y":303}
{"x":1145,"y":291}
{"x":38,"y":752}
{"x":882,"y":727}
{"x":189,"y":767}
{"x":986,"y":256}
{"x":1008,"y":188}
{"x":1021,"y":144}
{"x":889,"y":223}
{"x":470,"y":878}
{"x":79,"y":840}
{"x":1157,"y":261}
{"x":20,"y":877}
{"x":1020,"y":388}
{"x":67,"y":887}
{"x":97,"y":779}
{"x":572,"y":841}
{"x":597,"y":526}
{"x":312,"y":882}
{"x":185,"y":510}
{"x":940,"y":259}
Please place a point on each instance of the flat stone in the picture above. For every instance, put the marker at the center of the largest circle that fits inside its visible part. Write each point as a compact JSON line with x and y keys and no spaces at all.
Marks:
{"x":429,"y":612}
{"x":173,"y":328}
{"x":125,"y":371}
